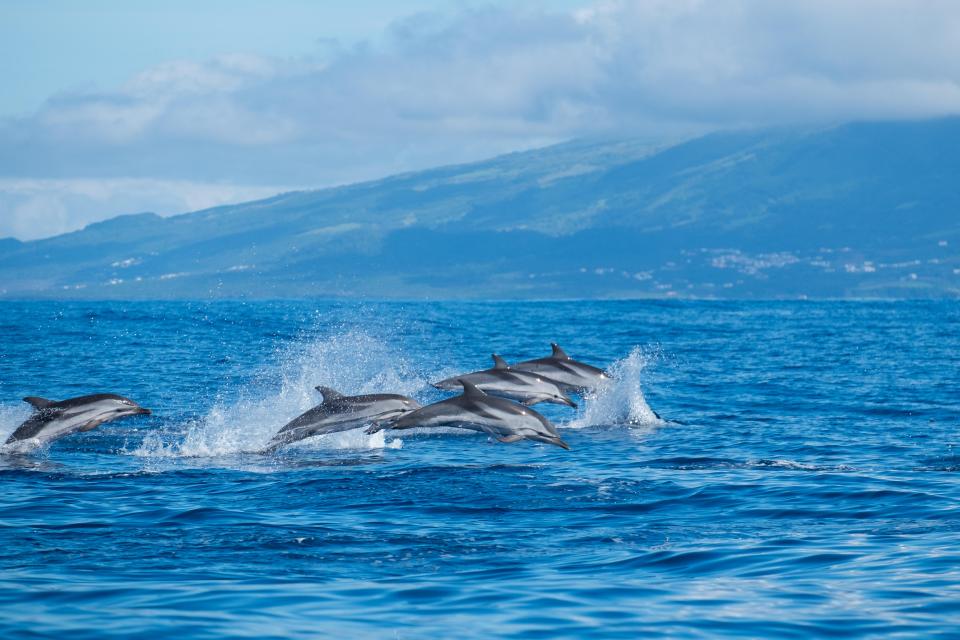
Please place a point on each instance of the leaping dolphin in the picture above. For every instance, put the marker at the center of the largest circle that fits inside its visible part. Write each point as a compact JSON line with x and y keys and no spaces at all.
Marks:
{"x":54,"y":420}
{"x":475,"y":410}
{"x":561,"y":368}
{"x":338,"y":413}
{"x":504,"y":381}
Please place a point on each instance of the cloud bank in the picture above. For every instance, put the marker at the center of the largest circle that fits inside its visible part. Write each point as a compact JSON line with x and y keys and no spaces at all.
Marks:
{"x":38,"y":208}
{"x":447,"y":88}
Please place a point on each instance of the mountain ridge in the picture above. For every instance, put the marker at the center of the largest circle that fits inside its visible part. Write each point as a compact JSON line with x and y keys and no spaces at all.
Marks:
{"x":855,"y":210}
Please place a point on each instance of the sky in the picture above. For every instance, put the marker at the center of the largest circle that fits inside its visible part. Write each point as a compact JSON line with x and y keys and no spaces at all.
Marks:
{"x":113,"y":107}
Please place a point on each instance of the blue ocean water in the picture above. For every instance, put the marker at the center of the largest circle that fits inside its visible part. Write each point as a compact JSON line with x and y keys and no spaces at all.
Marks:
{"x":803,"y":481}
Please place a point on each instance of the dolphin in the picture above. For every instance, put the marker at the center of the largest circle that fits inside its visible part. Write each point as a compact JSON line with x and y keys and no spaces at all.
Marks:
{"x":475,"y":410}
{"x":570,"y":374}
{"x":54,"y":420}
{"x":338,"y":413}
{"x":502,"y":380}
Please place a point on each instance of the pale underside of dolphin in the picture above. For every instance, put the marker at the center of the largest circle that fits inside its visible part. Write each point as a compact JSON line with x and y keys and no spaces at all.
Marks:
{"x":339,"y":413}
{"x":53,"y":419}
{"x":506,"y":382}
{"x":477,"y":411}
{"x":570,"y":374}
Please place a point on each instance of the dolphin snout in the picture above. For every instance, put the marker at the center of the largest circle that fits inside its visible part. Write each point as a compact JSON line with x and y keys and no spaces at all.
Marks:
{"x":567,"y":401}
{"x":143,"y":411}
{"x":560,"y":443}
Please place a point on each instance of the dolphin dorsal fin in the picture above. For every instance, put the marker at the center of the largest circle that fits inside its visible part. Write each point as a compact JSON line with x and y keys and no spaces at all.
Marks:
{"x":558,"y":352}
{"x":499,"y":363}
{"x":38,"y":403}
{"x":470,"y":389}
{"x":329,"y":394}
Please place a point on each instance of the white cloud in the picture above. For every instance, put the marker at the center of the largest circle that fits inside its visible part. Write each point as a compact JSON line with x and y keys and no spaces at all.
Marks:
{"x":442,"y":89}
{"x":36,"y":208}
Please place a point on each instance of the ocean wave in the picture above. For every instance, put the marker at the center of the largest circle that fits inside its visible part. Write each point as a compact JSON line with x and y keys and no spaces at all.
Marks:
{"x":353,"y":362}
{"x":11,"y":417}
{"x":620,"y":401}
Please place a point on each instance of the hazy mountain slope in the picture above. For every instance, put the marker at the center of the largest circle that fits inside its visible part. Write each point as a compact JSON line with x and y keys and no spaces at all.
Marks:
{"x":861,"y":210}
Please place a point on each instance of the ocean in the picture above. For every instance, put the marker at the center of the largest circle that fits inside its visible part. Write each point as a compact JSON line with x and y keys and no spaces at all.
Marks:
{"x":802,"y":480}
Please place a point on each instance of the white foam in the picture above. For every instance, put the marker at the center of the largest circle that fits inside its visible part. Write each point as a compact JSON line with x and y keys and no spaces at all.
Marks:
{"x":354,"y":439}
{"x":11,"y":417}
{"x":621,"y":401}
{"x":352,"y":362}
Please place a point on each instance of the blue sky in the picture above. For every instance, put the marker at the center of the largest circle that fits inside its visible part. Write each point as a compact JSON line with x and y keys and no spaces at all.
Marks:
{"x":114,"y":107}
{"x":56,"y":45}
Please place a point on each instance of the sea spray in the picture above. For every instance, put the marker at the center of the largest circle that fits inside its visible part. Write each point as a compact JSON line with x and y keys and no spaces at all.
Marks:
{"x":621,"y":401}
{"x":11,"y":417}
{"x":352,"y":362}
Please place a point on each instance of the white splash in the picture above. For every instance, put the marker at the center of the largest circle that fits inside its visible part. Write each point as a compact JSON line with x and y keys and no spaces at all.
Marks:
{"x":11,"y":417}
{"x":620,"y":401}
{"x":352,"y":362}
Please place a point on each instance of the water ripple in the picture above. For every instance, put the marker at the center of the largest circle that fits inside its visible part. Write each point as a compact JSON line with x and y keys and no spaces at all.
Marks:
{"x":802,"y":481}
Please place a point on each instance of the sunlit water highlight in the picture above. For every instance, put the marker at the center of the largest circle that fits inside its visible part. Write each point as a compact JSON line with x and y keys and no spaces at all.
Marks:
{"x":801,"y":482}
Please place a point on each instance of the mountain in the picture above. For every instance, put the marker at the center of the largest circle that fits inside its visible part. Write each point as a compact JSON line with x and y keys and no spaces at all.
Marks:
{"x":858,"y":210}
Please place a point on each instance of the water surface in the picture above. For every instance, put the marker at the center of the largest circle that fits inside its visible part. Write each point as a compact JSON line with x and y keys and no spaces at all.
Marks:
{"x":804,"y":480}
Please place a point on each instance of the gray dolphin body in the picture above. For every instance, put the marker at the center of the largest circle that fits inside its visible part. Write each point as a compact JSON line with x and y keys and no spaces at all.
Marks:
{"x":54,"y":420}
{"x":475,"y":410}
{"x":570,"y":374}
{"x":506,"y":382}
{"x":338,"y":413}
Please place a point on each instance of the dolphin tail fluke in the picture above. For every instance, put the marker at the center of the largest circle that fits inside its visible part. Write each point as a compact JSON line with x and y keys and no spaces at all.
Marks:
{"x":272,"y":446}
